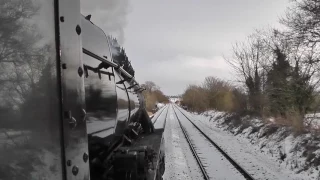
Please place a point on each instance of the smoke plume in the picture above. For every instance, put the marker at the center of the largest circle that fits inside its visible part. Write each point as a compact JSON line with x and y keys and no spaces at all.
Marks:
{"x":110,"y":15}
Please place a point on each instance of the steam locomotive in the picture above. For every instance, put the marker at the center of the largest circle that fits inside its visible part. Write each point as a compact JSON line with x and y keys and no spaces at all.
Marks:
{"x":115,"y":106}
{"x":70,"y":111}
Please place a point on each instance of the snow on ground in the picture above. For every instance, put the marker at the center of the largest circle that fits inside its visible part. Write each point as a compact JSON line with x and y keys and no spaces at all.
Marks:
{"x":160,"y":105}
{"x":194,"y":169}
{"x":157,"y":114}
{"x":216,"y":165}
{"x":176,"y":166}
{"x":313,"y":120}
{"x":266,"y":156}
{"x":174,"y":100}
{"x":160,"y":121}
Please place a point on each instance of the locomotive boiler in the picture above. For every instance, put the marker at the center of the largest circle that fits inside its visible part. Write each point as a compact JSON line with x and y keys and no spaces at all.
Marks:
{"x":115,"y":109}
{"x":67,"y":109}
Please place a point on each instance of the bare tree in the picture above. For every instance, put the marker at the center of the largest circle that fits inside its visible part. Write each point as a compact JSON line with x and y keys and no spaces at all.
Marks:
{"x":248,"y":61}
{"x":216,"y":90}
{"x":303,"y":19}
{"x":150,"y":86}
{"x":21,"y":63}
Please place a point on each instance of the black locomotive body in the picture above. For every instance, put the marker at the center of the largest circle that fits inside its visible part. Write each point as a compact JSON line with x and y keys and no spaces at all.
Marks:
{"x":67,"y":110}
{"x":112,"y":97}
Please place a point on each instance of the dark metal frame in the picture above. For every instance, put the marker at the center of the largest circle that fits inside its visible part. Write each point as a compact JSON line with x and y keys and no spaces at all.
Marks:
{"x":58,"y":64}
{"x":71,"y":72}
{"x":68,"y":37}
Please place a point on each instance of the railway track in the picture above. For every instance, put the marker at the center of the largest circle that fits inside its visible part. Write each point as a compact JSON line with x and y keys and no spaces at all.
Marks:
{"x":192,"y":148}
{"x":205,"y":169}
{"x":165,"y":120}
{"x":161,"y":111}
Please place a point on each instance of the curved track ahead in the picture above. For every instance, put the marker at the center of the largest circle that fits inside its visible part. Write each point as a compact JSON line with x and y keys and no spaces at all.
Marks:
{"x":205,"y":168}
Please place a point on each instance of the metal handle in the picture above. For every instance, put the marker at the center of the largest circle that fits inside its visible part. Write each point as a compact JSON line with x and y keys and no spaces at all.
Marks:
{"x":83,"y":115}
{"x":72,"y":122}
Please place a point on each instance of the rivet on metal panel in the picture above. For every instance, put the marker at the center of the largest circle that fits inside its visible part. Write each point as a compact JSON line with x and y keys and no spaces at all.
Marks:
{"x":80,"y":71}
{"x":69,"y":163}
{"x":64,"y":66}
{"x":61,"y":18}
{"x":78,"y":30}
{"x":85,"y":157}
{"x":75,"y":170}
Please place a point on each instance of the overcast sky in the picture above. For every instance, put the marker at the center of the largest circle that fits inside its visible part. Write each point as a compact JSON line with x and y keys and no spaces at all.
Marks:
{"x":175,"y":43}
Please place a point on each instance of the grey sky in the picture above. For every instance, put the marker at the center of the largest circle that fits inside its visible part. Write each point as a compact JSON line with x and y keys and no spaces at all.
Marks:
{"x":175,"y":43}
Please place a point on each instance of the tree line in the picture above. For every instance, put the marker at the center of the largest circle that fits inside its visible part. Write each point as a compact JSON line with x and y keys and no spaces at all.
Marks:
{"x":278,"y":70}
{"x":216,"y":94}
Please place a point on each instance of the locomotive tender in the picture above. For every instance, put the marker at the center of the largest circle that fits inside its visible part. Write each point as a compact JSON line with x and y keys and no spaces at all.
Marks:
{"x":81,"y":116}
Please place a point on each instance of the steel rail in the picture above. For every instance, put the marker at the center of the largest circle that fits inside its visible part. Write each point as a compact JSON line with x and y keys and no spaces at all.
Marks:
{"x":165,"y":120}
{"x":195,"y":154}
{"x":159,"y":115}
{"x":232,"y":161}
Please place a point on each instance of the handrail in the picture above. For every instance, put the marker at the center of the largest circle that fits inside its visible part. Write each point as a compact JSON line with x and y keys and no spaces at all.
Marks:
{"x":112,"y":64}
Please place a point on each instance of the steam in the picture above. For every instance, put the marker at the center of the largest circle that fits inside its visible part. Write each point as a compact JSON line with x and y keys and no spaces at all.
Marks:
{"x":110,"y":15}
{"x":114,"y":46}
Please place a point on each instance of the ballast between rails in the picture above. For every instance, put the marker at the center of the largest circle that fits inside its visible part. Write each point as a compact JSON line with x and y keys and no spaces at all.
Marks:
{"x":195,"y":154}
{"x":233,"y":162}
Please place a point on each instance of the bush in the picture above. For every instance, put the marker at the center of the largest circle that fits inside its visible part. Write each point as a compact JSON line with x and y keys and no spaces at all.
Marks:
{"x":214,"y":94}
{"x":195,"y":98}
{"x":153,"y":95}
